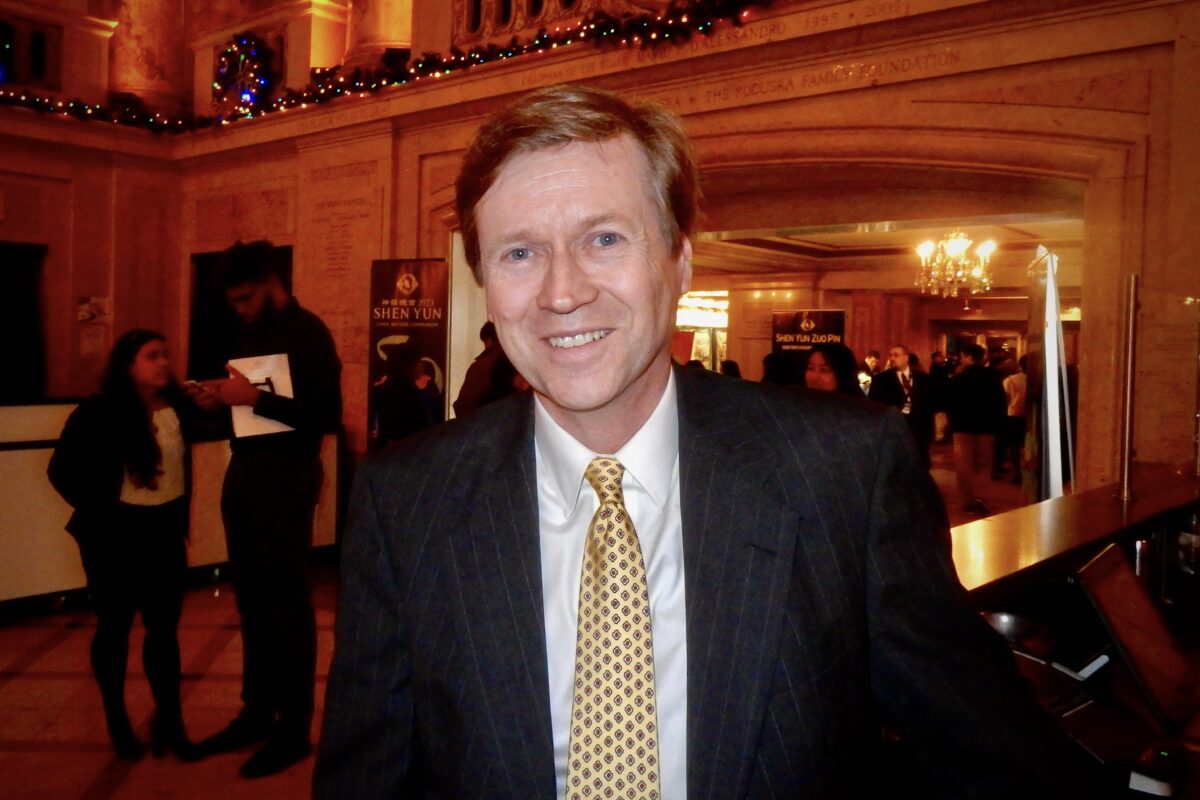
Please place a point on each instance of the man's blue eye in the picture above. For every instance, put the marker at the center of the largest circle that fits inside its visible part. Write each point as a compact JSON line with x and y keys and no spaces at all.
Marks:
{"x":606,"y":239}
{"x":519,"y":254}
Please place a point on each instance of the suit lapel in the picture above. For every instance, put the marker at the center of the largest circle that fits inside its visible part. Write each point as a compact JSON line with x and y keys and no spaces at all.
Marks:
{"x":739,"y":531}
{"x":498,"y":570}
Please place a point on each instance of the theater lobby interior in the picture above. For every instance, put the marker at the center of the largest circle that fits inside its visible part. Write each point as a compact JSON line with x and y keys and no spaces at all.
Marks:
{"x":140,"y":139}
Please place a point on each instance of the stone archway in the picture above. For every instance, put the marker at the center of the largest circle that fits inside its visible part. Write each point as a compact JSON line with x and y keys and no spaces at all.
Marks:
{"x":829,"y":175}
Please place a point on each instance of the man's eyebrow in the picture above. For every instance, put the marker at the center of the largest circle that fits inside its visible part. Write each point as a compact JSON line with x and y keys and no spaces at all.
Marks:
{"x":509,"y":239}
{"x":600,"y":219}
{"x":522,"y":235}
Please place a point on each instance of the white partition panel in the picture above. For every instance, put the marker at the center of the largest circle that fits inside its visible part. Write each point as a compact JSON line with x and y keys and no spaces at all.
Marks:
{"x":38,"y":556}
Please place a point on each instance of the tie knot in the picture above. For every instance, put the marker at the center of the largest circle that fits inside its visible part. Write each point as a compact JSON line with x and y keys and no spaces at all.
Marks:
{"x":604,"y":474}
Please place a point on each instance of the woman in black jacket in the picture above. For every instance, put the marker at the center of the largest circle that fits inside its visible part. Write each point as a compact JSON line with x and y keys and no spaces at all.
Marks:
{"x":122,"y":464}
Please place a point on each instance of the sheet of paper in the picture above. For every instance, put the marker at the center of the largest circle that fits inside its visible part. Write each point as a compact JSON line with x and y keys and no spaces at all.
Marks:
{"x":269,"y":374}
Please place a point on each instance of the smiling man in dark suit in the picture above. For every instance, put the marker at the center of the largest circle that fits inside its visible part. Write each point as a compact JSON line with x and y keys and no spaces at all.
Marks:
{"x":643,"y":580}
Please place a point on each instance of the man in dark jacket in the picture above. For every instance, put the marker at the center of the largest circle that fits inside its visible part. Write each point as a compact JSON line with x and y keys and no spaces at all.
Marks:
{"x":909,"y":389}
{"x":977,"y":410}
{"x":484,"y":382}
{"x":268,"y":502}
{"x":793,"y":557}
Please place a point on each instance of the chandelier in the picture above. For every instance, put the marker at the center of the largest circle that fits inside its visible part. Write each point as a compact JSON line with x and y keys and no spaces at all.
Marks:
{"x":947,"y":266}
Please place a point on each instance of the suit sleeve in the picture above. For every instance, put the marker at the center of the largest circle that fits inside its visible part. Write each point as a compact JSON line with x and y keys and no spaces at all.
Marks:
{"x":875,"y":390}
{"x":937,"y":667}
{"x":365,"y":747}
{"x":885,"y":388}
{"x":316,"y":386}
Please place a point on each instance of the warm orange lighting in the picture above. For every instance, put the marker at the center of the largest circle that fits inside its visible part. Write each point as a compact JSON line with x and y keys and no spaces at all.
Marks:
{"x":946,"y":266}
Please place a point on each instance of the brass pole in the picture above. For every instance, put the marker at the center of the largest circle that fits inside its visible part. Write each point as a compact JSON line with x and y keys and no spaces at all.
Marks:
{"x":1127,"y":380}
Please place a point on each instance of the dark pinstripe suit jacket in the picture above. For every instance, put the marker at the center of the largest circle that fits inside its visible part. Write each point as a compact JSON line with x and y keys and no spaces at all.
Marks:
{"x":819,"y":591}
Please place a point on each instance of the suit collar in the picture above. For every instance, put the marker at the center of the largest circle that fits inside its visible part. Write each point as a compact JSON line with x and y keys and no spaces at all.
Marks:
{"x":498,"y":572}
{"x":739,"y":540}
{"x":739,"y":525}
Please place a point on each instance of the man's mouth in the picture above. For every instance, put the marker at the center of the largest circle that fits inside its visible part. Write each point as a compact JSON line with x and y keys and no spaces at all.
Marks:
{"x":578,"y":339}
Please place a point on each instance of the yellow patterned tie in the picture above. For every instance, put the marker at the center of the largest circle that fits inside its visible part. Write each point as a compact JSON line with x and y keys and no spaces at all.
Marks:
{"x":614,"y":729}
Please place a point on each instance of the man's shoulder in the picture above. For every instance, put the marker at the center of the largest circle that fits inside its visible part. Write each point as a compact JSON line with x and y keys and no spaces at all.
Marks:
{"x":888,"y":376}
{"x":464,"y":446}
{"x":768,"y":405}
{"x":303,"y":318}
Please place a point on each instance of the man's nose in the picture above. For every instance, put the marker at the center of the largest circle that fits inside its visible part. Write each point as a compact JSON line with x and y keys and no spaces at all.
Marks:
{"x":566,"y":285}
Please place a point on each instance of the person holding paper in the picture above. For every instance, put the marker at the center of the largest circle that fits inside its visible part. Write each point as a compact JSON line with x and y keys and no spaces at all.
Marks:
{"x":285,"y":394}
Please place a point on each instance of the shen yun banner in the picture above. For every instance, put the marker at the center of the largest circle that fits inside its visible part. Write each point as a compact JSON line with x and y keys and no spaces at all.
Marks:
{"x":800,"y":330}
{"x":407,"y":362}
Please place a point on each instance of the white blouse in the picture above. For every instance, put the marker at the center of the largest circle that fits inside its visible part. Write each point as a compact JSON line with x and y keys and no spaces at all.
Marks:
{"x":171,"y":481}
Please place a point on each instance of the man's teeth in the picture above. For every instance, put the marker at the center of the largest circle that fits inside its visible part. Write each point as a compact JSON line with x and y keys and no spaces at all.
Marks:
{"x":577,"y":339}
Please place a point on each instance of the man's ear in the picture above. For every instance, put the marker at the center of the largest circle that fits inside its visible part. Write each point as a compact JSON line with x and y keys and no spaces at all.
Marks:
{"x":684,"y":265}
{"x":275,"y":291}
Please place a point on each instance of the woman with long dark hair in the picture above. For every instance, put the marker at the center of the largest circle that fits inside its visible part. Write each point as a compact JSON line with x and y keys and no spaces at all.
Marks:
{"x":122,"y":464}
{"x":833,"y":368}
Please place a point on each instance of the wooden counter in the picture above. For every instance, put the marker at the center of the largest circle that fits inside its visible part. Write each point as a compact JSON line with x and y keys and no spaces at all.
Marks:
{"x":1054,"y":535}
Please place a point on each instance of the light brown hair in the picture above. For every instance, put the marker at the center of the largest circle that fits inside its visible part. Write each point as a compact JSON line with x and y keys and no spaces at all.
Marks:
{"x":559,"y":115}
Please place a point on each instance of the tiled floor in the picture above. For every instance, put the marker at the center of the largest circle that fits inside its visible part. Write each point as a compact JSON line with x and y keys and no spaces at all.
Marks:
{"x":52,"y":737}
{"x":998,"y":495}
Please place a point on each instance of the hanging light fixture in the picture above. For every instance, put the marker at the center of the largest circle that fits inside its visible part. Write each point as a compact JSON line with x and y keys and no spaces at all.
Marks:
{"x":947,"y":266}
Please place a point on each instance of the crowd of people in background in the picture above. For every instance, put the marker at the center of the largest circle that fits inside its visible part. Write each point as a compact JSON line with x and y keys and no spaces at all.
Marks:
{"x":971,"y":398}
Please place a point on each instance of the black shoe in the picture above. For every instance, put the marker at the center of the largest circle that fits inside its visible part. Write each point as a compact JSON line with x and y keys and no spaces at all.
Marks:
{"x":977,"y":507}
{"x":279,"y":753}
{"x":245,"y":730}
{"x":128,"y":748}
{"x":124,"y":742}
{"x":171,"y":736}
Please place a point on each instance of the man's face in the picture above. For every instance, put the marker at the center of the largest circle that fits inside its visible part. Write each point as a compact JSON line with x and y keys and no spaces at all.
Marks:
{"x":579,"y":278}
{"x":249,"y":300}
{"x":898,"y":358}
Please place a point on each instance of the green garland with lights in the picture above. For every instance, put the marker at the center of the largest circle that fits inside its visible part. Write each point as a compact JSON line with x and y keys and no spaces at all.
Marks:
{"x":243,"y":77}
{"x":246,"y":55}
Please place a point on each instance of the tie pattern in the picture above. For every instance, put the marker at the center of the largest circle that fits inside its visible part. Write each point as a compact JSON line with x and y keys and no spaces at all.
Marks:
{"x":613,"y":750}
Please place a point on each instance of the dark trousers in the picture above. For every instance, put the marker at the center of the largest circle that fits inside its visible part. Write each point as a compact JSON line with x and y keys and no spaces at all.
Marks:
{"x":138,"y":566}
{"x":267,"y":504}
{"x":922,"y":431}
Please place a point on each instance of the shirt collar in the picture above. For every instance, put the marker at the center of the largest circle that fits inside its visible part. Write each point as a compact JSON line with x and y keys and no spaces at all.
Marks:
{"x":649,"y":457}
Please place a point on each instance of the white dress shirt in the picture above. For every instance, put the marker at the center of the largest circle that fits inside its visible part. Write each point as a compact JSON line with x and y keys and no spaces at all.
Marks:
{"x":566,"y":503}
{"x":903,"y":375}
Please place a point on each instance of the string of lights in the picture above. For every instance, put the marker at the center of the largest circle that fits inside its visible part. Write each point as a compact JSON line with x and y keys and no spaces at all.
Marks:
{"x":243,"y":83}
{"x":243,"y":76}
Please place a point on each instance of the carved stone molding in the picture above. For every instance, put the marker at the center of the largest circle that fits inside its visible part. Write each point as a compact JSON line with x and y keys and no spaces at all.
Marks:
{"x":483,"y":21}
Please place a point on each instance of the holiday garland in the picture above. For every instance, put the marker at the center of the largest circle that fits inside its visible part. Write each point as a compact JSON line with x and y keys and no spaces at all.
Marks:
{"x":242,"y":78}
